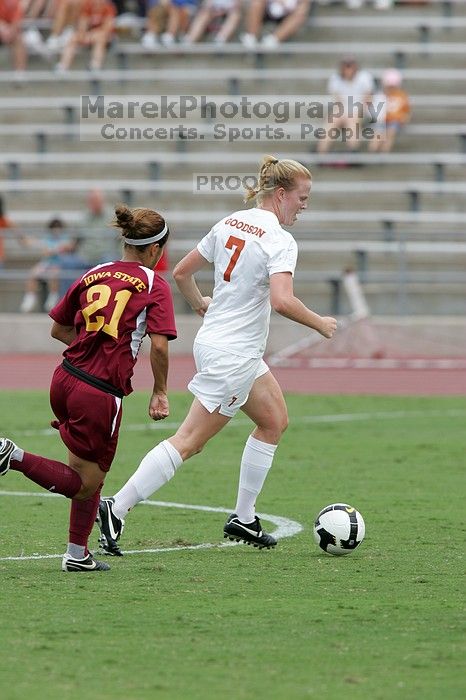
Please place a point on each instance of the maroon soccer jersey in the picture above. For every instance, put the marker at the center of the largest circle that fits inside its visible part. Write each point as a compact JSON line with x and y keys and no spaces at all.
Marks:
{"x":112,"y":307}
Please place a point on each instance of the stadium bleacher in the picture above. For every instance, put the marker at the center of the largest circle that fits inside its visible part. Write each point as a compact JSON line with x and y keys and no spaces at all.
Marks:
{"x":412,"y":196}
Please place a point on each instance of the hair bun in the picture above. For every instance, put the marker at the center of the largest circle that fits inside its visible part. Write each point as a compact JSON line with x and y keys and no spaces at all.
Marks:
{"x":125,"y":218}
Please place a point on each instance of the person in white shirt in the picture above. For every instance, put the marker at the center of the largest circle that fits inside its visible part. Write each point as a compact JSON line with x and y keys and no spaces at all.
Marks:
{"x":351,"y":90}
{"x":254,"y":260}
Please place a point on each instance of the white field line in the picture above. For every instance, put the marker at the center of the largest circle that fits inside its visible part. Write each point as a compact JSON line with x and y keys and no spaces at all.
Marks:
{"x":285,"y":527}
{"x":331,"y":418}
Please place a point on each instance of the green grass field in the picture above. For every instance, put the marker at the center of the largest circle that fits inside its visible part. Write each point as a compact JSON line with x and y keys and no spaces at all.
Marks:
{"x":385,"y":622}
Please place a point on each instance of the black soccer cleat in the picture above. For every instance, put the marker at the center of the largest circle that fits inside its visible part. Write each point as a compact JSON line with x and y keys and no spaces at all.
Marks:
{"x":111,"y":548}
{"x":249,"y":533}
{"x":110,"y":527}
{"x":6,"y":448}
{"x":86,"y":564}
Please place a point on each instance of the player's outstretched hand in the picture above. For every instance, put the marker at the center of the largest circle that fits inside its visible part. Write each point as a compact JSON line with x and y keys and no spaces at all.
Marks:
{"x":158,"y":406}
{"x":328,"y":326}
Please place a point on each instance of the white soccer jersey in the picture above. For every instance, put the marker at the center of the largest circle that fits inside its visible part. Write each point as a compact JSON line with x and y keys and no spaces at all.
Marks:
{"x":245,"y":248}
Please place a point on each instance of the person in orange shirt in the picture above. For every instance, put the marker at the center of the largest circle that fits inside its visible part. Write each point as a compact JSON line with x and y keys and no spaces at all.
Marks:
{"x":94,"y":29}
{"x":11,"y":14}
{"x":395,"y":113}
{"x":4,"y":224}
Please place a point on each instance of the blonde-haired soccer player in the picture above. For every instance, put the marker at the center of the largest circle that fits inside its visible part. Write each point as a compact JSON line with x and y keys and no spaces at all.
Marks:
{"x":254,"y":260}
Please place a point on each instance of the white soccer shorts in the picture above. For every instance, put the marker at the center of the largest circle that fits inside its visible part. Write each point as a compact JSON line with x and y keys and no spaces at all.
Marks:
{"x":224,"y":379}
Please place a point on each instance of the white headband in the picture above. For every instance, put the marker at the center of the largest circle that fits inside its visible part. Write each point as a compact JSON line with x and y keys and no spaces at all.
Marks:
{"x":145,"y":241}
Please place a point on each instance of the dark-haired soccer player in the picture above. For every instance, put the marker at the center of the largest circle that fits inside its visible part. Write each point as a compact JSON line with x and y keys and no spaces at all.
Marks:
{"x":102,"y":319}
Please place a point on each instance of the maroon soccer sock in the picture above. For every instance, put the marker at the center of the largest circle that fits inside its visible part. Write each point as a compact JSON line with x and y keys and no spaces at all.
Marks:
{"x":51,"y":475}
{"x":82,"y":519}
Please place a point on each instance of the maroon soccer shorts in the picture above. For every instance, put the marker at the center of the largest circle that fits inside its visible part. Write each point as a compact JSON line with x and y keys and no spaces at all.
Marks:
{"x":89,"y":419}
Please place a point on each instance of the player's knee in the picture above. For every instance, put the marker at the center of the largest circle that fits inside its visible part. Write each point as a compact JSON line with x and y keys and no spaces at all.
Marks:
{"x":273,"y":432}
{"x":280,"y":424}
{"x":86,"y":491}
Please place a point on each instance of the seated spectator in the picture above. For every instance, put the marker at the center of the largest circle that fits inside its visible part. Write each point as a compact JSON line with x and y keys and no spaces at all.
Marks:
{"x":64,"y":24}
{"x":180,"y":14}
{"x":221,"y":17}
{"x":395,"y":113}
{"x":56,"y":243}
{"x":157,"y":17}
{"x":11,"y":16}
{"x":131,"y":16}
{"x":62,"y":14}
{"x":95,"y":27}
{"x":33,"y":9}
{"x":173,"y":15}
{"x":351,"y":90}
{"x":72,"y":265}
{"x":5,"y":223}
{"x":287,"y":15}
{"x":99,"y":243}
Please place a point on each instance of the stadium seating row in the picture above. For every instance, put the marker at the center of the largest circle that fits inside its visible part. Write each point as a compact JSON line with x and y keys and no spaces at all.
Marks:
{"x":157,"y":161}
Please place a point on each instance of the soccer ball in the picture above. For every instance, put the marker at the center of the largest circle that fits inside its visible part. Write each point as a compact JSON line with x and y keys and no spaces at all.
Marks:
{"x":339,"y":529}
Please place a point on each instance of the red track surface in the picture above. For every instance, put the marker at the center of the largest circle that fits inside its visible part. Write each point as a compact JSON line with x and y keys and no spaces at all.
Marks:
{"x":35,"y":371}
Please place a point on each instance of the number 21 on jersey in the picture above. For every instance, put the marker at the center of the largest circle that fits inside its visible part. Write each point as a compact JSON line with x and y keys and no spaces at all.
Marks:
{"x":99,"y":296}
{"x":236,"y":245}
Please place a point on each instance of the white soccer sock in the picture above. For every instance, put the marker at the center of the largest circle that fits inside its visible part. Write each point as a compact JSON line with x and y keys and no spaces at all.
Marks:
{"x":255,"y":464}
{"x":157,"y":467}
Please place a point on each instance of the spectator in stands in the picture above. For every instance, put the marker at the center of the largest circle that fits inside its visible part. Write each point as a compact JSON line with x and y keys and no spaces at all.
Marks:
{"x":157,"y":17}
{"x":395,"y":113}
{"x":288,"y":16}
{"x":11,"y":16}
{"x":36,"y":8}
{"x":220,"y":17}
{"x":174,"y":15}
{"x":95,"y":27}
{"x":64,"y":24}
{"x":5,"y":223}
{"x":131,"y":16}
{"x":57,"y":242}
{"x":351,"y":90}
{"x":100,"y":244}
{"x":72,"y":265}
{"x":180,"y":14}
{"x":62,"y":14}
{"x":33,"y":10}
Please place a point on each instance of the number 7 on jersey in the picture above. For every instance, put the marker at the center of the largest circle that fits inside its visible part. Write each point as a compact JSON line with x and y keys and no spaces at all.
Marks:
{"x":237,"y":245}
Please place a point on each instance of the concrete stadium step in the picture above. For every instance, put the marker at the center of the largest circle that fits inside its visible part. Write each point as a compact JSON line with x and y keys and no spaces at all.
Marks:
{"x":293,"y":54}
{"x":186,"y":202}
{"x":332,"y":216}
{"x":306,"y":80}
{"x":383,"y":296}
{"x":415,"y":138}
{"x":320,"y":173}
